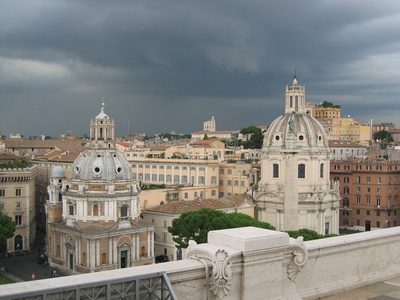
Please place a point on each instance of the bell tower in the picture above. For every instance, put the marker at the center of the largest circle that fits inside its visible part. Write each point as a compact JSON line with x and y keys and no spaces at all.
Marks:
{"x":295,"y":98}
{"x":102,"y":131}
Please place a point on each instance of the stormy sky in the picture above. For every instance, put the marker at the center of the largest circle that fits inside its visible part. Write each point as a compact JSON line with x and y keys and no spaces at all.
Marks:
{"x":168,"y":65}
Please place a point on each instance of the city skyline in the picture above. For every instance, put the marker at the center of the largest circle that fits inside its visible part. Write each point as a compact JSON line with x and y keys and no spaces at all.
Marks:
{"x":168,"y":66}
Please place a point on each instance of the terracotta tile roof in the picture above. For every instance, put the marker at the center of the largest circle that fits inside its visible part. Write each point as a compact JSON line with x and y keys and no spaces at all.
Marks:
{"x":126,"y":144}
{"x":6,"y":156}
{"x":179,"y":207}
{"x":203,"y":142}
{"x":14,"y":143}
{"x":238,"y":200}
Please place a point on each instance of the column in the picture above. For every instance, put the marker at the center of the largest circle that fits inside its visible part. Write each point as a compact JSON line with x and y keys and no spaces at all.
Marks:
{"x":110,"y":251}
{"x":137,"y":246}
{"x":148,"y":244}
{"x":98,"y":262}
{"x":115,"y":249}
{"x":290,"y":192}
{"x":92,"y":258}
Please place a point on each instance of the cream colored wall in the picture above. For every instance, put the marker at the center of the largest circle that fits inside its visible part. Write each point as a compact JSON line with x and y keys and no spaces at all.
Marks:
{"x":26,"y":206}
{"x":233,"y":173}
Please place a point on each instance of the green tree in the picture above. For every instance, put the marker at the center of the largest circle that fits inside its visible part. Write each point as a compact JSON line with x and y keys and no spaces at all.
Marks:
{"x":256,"y":137}
{"x":7,"y":227}
{"x":195,"y":225}
{"x":383,"y":136}
{"x":307,"y":234}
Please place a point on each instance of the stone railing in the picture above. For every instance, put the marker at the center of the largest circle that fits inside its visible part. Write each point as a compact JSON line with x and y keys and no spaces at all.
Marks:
{"x":252,"y":263}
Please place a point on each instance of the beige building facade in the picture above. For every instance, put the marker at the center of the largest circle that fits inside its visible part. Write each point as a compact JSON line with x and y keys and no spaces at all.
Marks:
{"x":17,"y":200}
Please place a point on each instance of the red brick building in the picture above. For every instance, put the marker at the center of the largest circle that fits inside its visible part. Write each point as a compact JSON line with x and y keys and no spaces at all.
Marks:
{"x":369,"y":191}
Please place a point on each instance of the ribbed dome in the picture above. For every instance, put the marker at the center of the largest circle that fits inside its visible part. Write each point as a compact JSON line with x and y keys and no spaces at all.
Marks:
{"x":299,"y":129}
{"x":57,"y":172}
{"x":101,"y":165}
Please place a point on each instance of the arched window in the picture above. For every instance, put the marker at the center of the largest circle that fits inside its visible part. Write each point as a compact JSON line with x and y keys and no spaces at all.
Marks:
{"x":302,"y":171}
{"x":297,"y":103}
{"x":275,"y":171}
{"x":18,"y":243}
{"x":95,"y":210}
{"x":345,"y":221}
{"x":321,"y":171}
{"x":345,"y":202}
{"x":291,"y":101}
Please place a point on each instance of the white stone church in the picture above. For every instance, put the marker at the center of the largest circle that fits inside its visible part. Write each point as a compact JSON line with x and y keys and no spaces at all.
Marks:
{"x":93,"y":221}
{"x":295,"y":190}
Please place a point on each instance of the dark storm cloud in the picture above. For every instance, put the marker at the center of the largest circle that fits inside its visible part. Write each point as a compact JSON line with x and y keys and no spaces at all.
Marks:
{"x":167,"y":65}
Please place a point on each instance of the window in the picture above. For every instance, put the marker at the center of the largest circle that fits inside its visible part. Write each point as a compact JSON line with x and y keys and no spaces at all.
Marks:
{"x":229,"y":172}
{"x":378,"y":180}
{"x":337,"y":167}
{"x":358,"y":189}
{"x":71,"y":210}
{"x":186,"y":195}
{"x":165,"y":237}
{"x":2,"y":206}
{"x":346,"y":180}
{"x":236,"y":183}
{"x":124,"y":211}
{"x":358,"y":167}
{"x":378,"y":213}
{"x":18,"y":220}
{"x":378,"y":224}
{"x":18,"y":205}
{"x":18,"y":192}
{"x":176,"y":178}
{"x":368,"y":179}
{"x":147,"y":177}
{"x":176,"y":168}
{"x":379,"y":168}
{"x":165,"y":224}
{"x":201,"y":180}
{"x":214,"y":180}
{"x":169,"y":178}
{"x":301,"y":171}
{"x":358,"y":179}
{"x":213,"y":192}
{"x":229,"y":182}
{"x":378,"y":190}
{"x":346,"y":190}
{"x":2,"y":192}
{"x":275,"y":172}
{"x":202,"y":169}
{"x":345,"y":221}
{"x":221,"y":182}
{"x":242,"y":183}
{"x":358,"y":199}
{"x":195,"y":194}
{"x":368,"y":167}
{"x":357,"y":211}
{"x":368,"y":190}
{"x":154,"y":177}
{"x":321,"y":171}
{"x":169,"y":167}
{"x":368,"y":200}
{"x":147,"y":166}
{"x":345,"y":202}
{"x":161,"y":178}
{"x":378,"y":202}
{"x":336,"y":179}
{"x":184,"y":178}
{"x":368,"y":212}
{"x":347,"y":167}
{"x":154,"y":167}
{"x":221,"y":171}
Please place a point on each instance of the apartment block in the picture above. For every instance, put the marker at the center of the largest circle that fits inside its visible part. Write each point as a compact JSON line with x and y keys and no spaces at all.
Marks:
{"x":369,"y":190}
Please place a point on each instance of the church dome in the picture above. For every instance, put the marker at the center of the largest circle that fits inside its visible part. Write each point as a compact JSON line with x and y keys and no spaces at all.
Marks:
{"x":107,"y":164}
{"x":57,"y":172}
{"x":299,"y":128}
{"x":296,"y":128}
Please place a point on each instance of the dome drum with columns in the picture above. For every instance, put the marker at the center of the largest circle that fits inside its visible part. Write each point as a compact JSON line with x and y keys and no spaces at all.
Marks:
{"x":295,"y":191}
{"x":97,"y":209}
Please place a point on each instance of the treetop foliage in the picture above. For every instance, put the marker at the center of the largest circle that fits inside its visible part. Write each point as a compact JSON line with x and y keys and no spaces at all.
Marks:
{"x":7,"y":227}
{"x":256,"y":139}
{"x":16,"y":163}
{"x":195,"y":225}
{"x":383,"y":135}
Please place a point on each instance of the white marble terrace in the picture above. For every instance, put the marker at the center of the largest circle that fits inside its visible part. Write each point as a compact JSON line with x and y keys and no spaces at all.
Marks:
{"x":253,"y":263}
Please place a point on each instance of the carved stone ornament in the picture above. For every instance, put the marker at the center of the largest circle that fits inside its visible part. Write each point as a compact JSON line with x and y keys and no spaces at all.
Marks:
{"x":221,"y":273}
{"x":300,"y":257}
{"x":220,"y":281}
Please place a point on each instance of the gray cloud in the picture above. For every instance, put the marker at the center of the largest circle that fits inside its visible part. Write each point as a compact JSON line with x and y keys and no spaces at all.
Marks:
{"x":166,"y":65}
